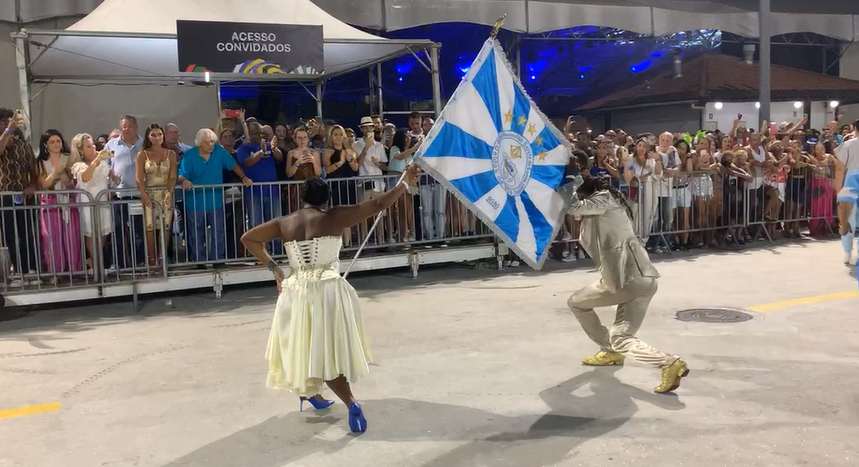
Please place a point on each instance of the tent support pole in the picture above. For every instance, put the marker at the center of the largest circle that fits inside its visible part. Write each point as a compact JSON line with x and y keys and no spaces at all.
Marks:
{"x":319,"y":99}
{"x":518,"y":58}
{"x":220,"y":103}
{"x":436,"y":80}
{"x":764,"y":17}
{"x":379,"y":86}
{"x":372,"y":97}
{"x":21,"y":42}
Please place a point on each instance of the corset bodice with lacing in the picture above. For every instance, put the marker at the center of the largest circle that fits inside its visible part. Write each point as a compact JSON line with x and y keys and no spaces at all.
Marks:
{"x":314,"y":259}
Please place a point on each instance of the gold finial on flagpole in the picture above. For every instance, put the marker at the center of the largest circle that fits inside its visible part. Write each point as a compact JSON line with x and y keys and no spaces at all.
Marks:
{"x":497,"y":26}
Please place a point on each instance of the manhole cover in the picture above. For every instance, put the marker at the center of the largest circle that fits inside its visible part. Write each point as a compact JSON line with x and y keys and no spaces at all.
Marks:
{"x":714,"y":315}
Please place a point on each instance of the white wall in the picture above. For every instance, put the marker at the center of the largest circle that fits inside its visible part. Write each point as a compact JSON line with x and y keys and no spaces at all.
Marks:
{"x":779,"y":112}
{"x":821,"y":114}
{"x":723,"y":119}
{"x":73,"y":108}
{"x":675,"y":118}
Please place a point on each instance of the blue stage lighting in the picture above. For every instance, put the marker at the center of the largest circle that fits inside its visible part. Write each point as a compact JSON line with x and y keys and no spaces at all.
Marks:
{"x":640,"y":66}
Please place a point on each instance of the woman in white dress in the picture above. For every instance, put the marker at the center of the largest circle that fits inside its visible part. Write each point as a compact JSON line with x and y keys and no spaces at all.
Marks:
{"x":317,"y":334}
{"x":640,"y":172}
{"x":92,"y":174}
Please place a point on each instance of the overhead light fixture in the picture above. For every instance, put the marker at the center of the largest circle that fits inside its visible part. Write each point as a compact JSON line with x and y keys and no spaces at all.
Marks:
{"x":718,"y":105}
{"x":797,"y":105}
{"x":757,"y":105}
{"x":834,"y":104}
{"x":207,"y":77}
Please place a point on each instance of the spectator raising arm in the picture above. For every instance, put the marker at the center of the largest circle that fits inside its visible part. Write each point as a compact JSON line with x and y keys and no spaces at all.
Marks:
{"x":86,"y":175}
{"x":7,"y":134}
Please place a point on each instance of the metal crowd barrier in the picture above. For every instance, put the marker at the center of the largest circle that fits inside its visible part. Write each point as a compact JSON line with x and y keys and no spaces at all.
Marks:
{"x":44,"y":246}
{"x":703,"y":208}
{"x":692,"y":208}
{"x":201,"y":232}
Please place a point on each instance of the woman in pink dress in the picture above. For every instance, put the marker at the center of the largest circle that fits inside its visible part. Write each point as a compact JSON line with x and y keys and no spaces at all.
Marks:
{"x":822,"y":192}
{"x":59,"y":223}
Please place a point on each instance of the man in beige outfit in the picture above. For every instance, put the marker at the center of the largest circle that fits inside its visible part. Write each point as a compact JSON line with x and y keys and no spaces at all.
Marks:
{"x":628,"y":280}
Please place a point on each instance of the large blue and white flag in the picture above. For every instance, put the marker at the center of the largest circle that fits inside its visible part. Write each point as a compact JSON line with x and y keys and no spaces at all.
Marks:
{"x":494,"y":149}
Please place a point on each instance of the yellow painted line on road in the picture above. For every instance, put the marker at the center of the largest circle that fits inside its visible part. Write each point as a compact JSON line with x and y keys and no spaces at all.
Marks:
{"x":811,"y":300}
{"x":34,"y":409}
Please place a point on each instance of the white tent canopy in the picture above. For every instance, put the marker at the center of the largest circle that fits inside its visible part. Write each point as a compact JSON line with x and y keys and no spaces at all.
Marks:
{"x":134,"y":39}
{"x":833,"y":18}
{"x":124,"y":56}
{"x":31,"y":11}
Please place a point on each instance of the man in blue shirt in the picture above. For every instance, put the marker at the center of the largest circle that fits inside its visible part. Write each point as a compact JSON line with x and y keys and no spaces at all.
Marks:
{"x":128,"y":228}
{"x":259,"y":157}
{"x":204,"y":206}
{"x":171,"y":140}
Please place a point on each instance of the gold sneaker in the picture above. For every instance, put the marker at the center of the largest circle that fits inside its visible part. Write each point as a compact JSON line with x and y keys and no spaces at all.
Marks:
{"x":671,"y":376}
{"x":604,"y":358}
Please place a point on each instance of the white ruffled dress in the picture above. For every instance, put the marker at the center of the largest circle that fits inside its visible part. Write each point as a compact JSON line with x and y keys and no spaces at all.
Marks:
{"x":317,"y":333}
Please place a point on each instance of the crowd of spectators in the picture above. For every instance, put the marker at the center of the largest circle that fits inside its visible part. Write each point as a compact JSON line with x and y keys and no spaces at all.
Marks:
{"x":163,"y":198}
{"x":145,"y":187}
{"x":715,"y":189}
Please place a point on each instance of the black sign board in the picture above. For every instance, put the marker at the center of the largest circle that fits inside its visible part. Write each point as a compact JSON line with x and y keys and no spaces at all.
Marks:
{"x":249,"y":48}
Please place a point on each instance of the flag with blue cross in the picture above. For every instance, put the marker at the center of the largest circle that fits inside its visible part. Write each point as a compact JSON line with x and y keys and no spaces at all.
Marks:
{"x":499,"y":155}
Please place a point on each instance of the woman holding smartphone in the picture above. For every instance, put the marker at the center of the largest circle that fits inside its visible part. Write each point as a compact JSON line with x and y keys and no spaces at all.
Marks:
{"x":302,"y":163}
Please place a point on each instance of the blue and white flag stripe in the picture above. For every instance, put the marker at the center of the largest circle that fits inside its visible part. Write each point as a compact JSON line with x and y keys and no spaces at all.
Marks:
{"x":494,"y":149}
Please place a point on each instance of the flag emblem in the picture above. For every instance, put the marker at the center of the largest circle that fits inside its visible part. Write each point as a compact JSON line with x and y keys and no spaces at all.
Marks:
{"x":498,"y":154}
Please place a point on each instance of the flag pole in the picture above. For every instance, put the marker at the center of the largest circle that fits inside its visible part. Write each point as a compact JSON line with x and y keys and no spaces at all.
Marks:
{"x":373,"y":228}
{"x":497,"y":26}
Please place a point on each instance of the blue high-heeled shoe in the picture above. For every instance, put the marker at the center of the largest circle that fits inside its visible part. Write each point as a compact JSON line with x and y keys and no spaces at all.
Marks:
{"x":357,"y":422}
{"x":319,"y":404}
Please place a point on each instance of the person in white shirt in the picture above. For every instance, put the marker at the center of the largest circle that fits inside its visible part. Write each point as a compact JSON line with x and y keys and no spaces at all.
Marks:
{"x":371,"y":157}
{"x":847,"y":186}
{"x":91,"y":171}
{"x":640,"y":171}
{"x":433,"y":195}
{"x":670,"y":161}
{"x":755,"y":188}
{"x":128,"y":229}
{"x":372,"y":162}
